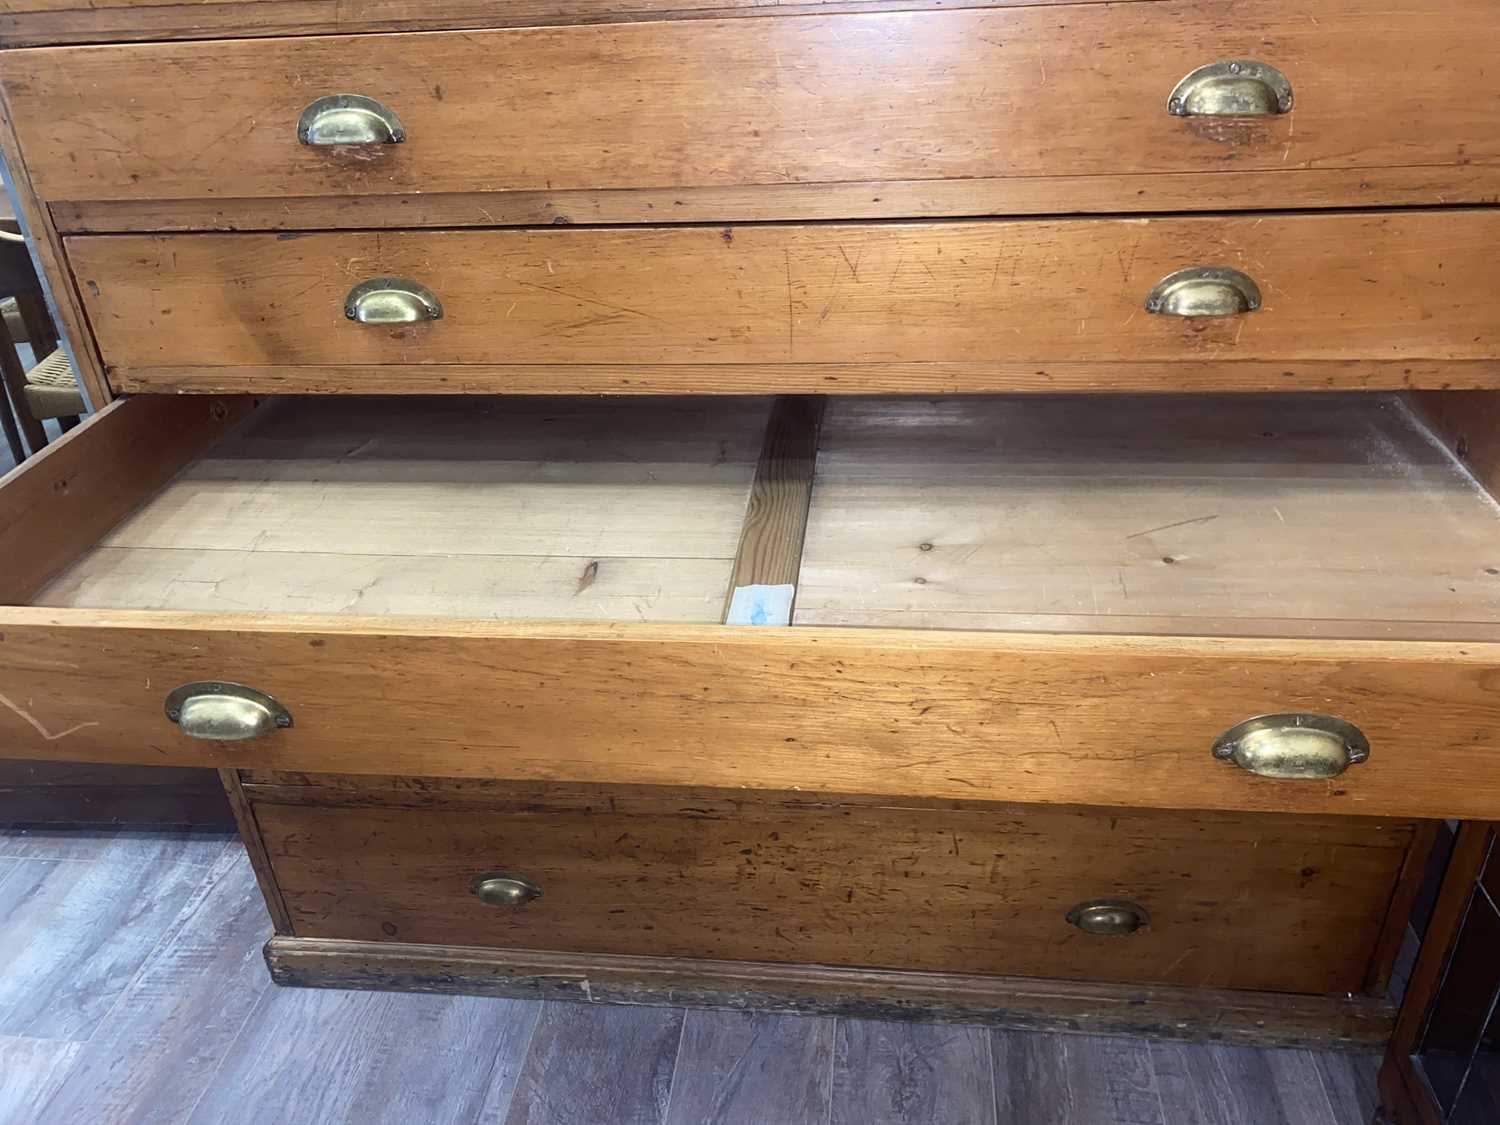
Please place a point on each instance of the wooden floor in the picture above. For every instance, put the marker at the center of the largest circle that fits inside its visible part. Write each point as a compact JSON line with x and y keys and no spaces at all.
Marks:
{"x":132,"y":990}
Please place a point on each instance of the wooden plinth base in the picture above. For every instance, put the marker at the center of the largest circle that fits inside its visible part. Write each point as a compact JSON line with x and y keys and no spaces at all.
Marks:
{"x":1036,"y":1005}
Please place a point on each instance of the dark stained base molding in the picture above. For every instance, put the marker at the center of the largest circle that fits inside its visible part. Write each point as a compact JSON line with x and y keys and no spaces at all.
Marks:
{"x":1030,"y":1005}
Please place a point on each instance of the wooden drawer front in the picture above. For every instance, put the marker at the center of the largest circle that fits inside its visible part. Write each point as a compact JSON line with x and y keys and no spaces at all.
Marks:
{"x":1000,"y":716}
{"x":1070,"y":91}
{"x":1382,"y":286}
{"x":1243,"y":902}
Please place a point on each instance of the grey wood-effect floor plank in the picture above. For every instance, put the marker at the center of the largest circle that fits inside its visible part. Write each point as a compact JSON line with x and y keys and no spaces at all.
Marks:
{"x":30,"y":1070}
{"x":896,"y":1073}
{"x":748,"y":1068}
{"x":310,"y":1055}
{"x":74,"y":935}
{"x":589,"y":1064}
{"x":1349,"y":1079}
{"x":1204,"y":1084}
{"x":52,"y":842}
{"x":510,"y":1055}
{"x":1074,"y":1080}
{"x":156,"y":1052}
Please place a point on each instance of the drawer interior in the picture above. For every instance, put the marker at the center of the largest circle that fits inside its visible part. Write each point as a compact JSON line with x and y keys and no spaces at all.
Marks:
{"x":1290,"y":515}
{"x":1218,"y":513}
{"x":583,"y":509}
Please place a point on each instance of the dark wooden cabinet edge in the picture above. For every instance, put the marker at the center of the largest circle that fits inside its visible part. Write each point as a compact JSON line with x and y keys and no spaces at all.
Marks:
{"x":1249,"y":1018}
{"x":1405,"y":1098}
{"x":63,"y":793}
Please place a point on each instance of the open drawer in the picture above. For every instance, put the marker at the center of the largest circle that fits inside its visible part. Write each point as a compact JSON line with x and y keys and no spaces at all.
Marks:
{"x":1034,"y":600}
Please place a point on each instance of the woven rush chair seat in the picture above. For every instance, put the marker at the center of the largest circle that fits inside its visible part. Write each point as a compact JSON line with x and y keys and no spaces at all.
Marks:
{"x":52,"y":388}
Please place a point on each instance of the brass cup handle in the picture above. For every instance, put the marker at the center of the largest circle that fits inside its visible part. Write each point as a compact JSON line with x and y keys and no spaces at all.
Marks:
{"x":1108,"y":917}
{"x":225,"y":712}
{"x":1232,"y":88}
{"x":504,"y":888}
{"x":1204,"y":291}
{"x":349,"y":119}
{"x":1293,"y":746}
{"x":392,"y":300}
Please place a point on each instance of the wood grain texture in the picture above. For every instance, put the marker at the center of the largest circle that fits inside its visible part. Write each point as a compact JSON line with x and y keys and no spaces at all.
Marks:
{"x":895,"y":1073}
{"x":894,"y":96}
{"x":1045,"y":512}
{"x":40,"y":22}
{"x":1220,"y":1085}
{"x":1349,"y":1079}
{"x":560,"y":587}
{"x":955,"y":715}
{"x":58,"y":503}
{"x":770,"y":551}
{"x":1033,"y":195}
{"x":46,"y":247}
{"x":747,"y":1068}
{"x":812,"y":378}
{"x":55,"y":842}
{"x":1234,"y":903}
{"x":528,"y":509}
{"x":1020,"y":1004}
{"x":1074,"y":1080}
{"x":159,"y":1049}
{"x":365,"y":1068}
{"x":621,"y":1060}
{"x":255,"y":848}
{"x":1381,"y":285}
{"x":332,"y":790}
{"x":72,"y":938}
{"x":31,"y":1070}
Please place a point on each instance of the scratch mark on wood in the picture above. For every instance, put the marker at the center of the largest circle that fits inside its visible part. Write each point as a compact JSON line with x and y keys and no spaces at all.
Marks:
{"x":1166,"y":526}
{"x":589,"y":300}
{"x":791,"y":319}
{"x":854,"y":265}
{"x":38,"y":727}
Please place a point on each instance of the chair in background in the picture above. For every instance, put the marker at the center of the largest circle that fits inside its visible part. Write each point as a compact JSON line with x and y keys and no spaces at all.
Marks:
{"x":51,"y":391}
{"x":48,"y":389}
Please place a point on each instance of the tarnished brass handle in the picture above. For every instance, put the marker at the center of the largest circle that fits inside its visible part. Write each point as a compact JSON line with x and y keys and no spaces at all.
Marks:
{"x":392,"y":300}
{"x":1233,"y":88}
{"x":1204,"y":291}
{"x":349,"y":119}
{"x":1297,"y":746}
{"x":225,"y":712}
{"x":503,"y":888}
{"x":1108,"y":916}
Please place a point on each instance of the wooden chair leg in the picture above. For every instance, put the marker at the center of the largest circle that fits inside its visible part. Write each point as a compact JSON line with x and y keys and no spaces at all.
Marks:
{"x":15,"y":381}
{"x":39,"y":330}
{"x":8,"y":424}
{"x":66,"y":422}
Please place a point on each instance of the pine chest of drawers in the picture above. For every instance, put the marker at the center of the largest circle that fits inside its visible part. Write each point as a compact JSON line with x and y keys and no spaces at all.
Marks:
{"x":977,"y":513}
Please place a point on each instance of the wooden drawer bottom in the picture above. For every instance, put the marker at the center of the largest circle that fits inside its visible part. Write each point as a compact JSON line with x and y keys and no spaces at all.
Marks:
{"x":1234,"y":902}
